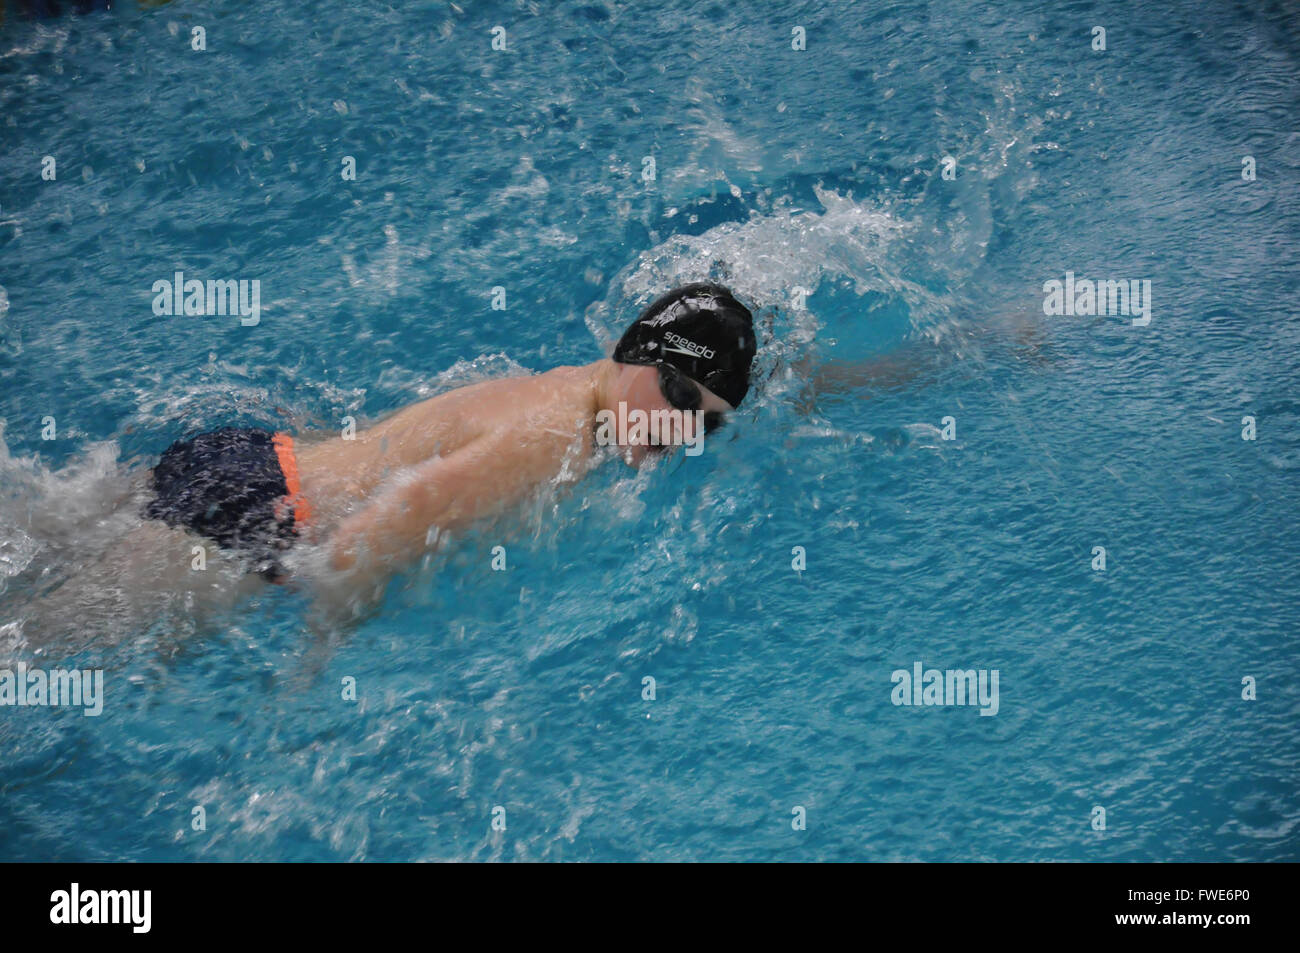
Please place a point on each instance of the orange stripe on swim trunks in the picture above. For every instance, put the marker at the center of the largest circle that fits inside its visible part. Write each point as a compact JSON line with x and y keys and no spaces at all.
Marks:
{"x":283,"y":444}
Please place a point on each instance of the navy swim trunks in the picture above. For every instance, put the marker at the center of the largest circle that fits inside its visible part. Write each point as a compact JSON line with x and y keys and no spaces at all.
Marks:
{"x":236,"y":486}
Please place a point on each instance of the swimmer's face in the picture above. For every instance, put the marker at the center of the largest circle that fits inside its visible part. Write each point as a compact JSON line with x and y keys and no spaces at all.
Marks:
{"x":661,"y":389}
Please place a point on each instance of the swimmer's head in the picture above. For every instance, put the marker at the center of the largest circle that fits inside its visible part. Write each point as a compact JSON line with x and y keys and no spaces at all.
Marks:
{"x":700,"y":330}
{"x":690,"y":350}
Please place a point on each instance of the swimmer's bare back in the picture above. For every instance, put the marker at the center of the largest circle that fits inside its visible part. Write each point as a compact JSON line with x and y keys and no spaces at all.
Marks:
{"x":444,"y":462}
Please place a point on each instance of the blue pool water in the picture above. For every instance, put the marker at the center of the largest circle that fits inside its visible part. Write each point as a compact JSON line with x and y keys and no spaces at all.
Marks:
{"x":776,"y":170}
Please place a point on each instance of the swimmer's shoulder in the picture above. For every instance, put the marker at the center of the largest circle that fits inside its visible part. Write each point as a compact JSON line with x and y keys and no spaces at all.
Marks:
{"x":566,"y":379}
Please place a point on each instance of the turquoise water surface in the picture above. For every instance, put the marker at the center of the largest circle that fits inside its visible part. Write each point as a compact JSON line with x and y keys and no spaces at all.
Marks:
{"x":890,"y":297}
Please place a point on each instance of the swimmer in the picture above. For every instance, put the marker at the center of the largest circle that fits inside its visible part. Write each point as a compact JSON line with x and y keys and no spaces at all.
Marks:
{"x":369,"y":505}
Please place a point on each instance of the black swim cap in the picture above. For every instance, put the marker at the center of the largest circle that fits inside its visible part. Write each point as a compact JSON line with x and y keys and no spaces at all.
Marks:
{"x":701,"y":330}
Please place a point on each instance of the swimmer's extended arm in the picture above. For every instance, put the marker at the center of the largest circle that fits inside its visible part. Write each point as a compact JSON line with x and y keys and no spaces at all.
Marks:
{"x":837,"y":377}
{"x":917,"y":359}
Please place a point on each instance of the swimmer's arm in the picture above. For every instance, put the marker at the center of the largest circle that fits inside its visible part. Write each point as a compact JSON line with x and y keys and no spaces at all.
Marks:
{"x":838,"y":377}
{"x":447,"y":493}
{"x":884,"y":372}
{"x":919,"y":358}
